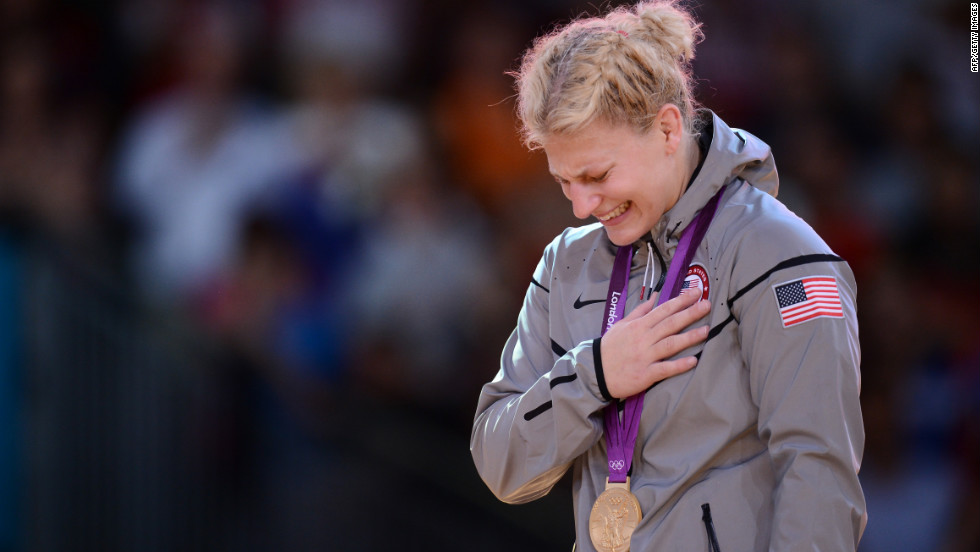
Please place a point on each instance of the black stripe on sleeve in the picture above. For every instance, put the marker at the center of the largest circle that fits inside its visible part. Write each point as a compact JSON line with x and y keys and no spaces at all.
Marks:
{"x":556,"y":348}
{"x":789,"y":263}
{"x":537,"y":283}
{"x":532,"y":414}
{"x":600,"y":377}
{"x":563,"y":379}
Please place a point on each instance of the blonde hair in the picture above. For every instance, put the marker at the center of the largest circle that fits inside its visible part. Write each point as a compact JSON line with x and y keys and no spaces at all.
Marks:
{"x":621,"y":68}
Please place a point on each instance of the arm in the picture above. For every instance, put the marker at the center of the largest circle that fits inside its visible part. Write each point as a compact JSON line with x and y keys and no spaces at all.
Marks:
{"x":539,"y":413}
{"x":805,"y":381}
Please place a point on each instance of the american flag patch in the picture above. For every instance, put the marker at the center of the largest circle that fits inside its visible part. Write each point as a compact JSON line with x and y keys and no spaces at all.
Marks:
{"x":808,"y":298}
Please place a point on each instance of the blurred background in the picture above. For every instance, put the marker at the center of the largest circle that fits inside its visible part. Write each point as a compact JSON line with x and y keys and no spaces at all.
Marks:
{"x":257,"y":258}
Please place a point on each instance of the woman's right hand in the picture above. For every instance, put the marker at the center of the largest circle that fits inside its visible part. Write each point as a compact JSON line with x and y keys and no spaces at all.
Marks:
{"x":634,"y":349}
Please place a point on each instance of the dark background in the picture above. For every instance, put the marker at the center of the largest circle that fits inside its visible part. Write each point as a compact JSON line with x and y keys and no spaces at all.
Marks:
{"x":257,"y":258}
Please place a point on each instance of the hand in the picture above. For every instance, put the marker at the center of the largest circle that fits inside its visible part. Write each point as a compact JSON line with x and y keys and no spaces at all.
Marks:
{"x":634,"y":349}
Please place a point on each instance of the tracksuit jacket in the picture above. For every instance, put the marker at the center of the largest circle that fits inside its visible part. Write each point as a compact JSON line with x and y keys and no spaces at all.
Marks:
{"x":766,"y":430}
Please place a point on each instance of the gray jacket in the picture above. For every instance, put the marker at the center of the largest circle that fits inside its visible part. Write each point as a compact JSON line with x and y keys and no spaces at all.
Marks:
{"x":766,"y":429}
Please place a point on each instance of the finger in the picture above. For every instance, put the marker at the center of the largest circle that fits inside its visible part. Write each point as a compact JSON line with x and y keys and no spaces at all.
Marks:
{"x":673,"y":344}
{"x":643,"y":308}
{"x":671,"y":307}
{"x":668,"y":368}
{"x":675,"y":324}
{"x":679,"y":320}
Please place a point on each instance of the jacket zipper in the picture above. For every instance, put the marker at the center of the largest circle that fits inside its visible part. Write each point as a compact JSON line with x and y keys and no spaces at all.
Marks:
{"x":663,"y":268}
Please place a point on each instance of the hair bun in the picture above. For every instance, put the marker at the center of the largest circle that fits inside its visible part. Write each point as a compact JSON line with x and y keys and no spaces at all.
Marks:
{"x":672,"y":27}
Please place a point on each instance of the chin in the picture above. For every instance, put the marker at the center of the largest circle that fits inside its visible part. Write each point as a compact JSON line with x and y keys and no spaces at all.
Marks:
{"x":622,"y":238}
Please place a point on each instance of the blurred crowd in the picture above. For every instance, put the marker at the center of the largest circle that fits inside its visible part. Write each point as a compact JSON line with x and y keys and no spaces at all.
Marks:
{"x":334,"y":195}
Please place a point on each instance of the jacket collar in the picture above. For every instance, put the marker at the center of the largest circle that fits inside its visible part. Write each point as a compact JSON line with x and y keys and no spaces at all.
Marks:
{"x":727,"y":154}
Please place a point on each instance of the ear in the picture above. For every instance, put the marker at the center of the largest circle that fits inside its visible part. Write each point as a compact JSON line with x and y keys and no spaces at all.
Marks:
{"x":670,"y":123}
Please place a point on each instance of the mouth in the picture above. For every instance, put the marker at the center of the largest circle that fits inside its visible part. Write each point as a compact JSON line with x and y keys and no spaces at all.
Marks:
{"x":615,"y":212}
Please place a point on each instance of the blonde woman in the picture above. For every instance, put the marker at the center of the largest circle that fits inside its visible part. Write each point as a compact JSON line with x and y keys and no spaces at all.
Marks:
{"x":692,"y":355}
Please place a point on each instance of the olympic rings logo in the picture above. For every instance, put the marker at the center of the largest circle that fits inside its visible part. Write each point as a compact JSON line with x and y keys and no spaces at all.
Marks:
{"x":617,"y":464}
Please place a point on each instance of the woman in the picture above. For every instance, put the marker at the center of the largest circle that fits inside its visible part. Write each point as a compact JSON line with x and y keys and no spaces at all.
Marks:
{"x":758,"y":447}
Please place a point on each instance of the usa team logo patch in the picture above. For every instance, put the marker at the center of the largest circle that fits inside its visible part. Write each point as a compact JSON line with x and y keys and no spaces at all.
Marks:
{"x":808,"y":298}
{"x":697,"y":277}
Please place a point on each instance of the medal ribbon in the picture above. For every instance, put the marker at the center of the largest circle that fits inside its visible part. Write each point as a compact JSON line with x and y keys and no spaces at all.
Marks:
{"x":621,"y":431}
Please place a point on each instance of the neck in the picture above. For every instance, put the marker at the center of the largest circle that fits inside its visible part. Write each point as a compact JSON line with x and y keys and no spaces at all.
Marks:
{"x":689,"y":159}
{"x":693,"y":158}
{"x":687,"y":162}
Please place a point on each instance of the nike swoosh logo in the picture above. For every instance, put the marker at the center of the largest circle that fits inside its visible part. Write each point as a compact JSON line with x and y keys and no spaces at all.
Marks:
{"x":579,"y":303}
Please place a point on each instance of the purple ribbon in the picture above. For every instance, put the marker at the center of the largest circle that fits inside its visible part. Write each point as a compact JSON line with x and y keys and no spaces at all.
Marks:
{"x":621,"y":431}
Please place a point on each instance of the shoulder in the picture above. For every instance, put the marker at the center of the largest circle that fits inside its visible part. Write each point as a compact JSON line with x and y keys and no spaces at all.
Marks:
{"x":580,"y":241}
{"x":751,"y":214}
{"x":760,"y":236}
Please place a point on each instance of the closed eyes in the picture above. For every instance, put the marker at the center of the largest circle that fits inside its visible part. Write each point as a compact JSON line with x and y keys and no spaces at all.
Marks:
{"x":586,"y":178}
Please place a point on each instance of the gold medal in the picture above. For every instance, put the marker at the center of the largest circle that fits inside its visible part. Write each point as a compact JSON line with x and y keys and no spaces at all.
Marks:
{"x":614,"y":517}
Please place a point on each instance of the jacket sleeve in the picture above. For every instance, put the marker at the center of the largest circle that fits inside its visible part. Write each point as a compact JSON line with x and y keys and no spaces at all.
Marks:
{"x":542,"y":410}
{"x":805,"y":381}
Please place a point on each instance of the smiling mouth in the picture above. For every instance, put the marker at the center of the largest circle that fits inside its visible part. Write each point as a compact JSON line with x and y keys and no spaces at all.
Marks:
{"x":615,"y":212}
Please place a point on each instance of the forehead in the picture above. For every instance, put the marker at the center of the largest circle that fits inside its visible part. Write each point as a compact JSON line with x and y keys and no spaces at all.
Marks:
{"x":594,"y":147}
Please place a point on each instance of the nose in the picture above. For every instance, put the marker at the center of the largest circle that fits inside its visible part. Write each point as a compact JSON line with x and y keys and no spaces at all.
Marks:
{"x":584,"y":200}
